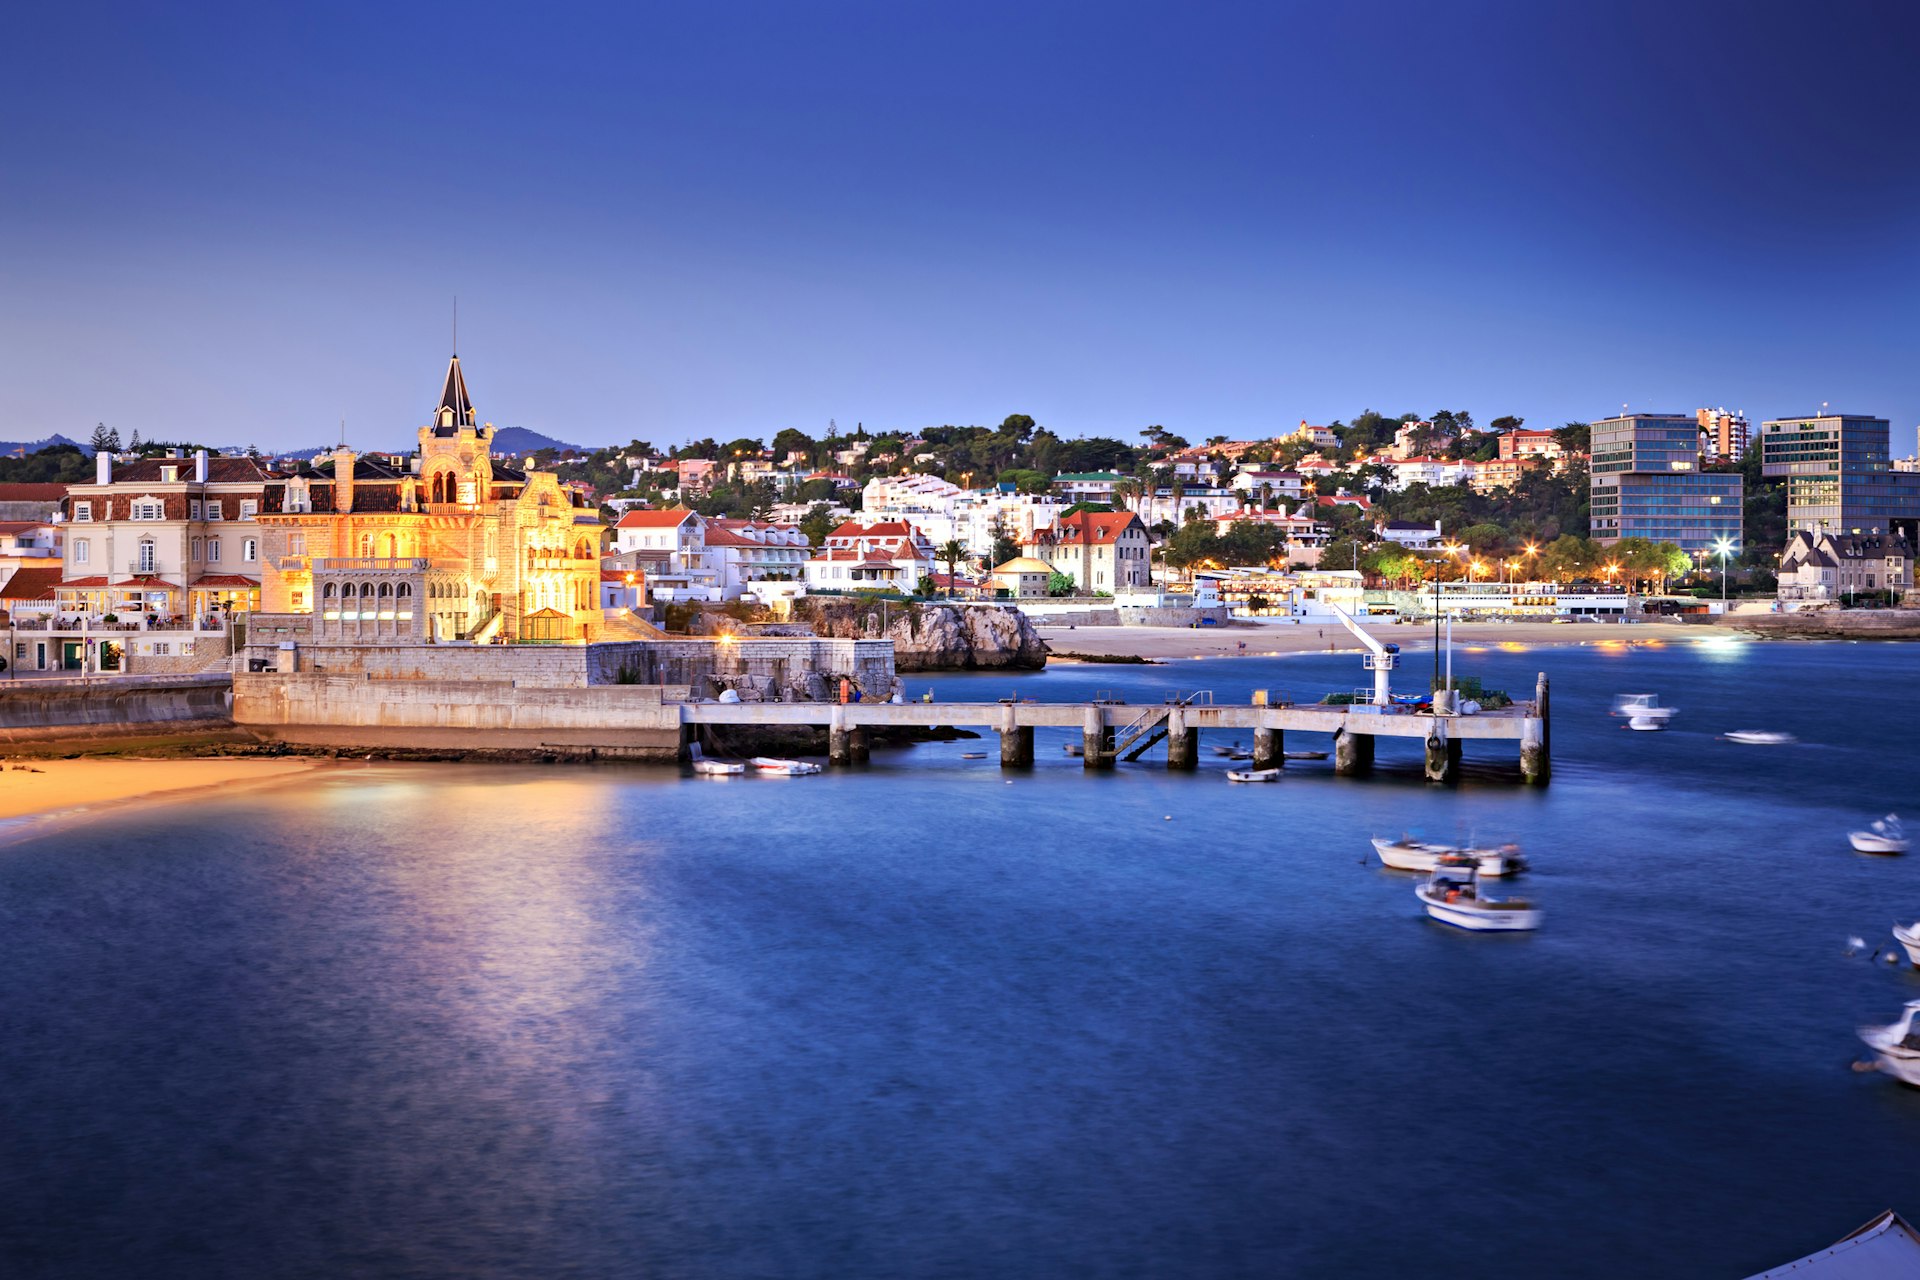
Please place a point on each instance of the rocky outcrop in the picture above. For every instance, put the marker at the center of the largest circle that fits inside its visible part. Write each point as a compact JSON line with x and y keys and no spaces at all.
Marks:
{"x":937,"y":637}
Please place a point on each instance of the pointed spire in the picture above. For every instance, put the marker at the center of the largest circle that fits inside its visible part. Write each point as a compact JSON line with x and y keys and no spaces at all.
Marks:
{"x":455,"y":408}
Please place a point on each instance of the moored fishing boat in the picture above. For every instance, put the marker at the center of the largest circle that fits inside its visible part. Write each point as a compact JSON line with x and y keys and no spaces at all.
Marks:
{"x":1896,"y":1047}
{"x":1760,"y":737}
{"x":784,"y":768}
{"x":1643,"y":711}
{"x":1304,"y":755}
{"x":1452,"y":896}
{"x":1408,"y":854}
{"x":1253,"y":775}
{"x":1883,"y":836}
{"x":718,"y":768}
{"x":1908,"y":936}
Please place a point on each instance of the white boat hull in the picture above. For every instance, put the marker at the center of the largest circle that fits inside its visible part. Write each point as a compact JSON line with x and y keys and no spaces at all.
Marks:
{"x":1646,"y":724}
{"x":718,"y":768}
{"x":1478,"y":917}
{"x":1908,"y":936}
{"x":784,"y":768}
{"x":1253,"y":775}
{"x":1759,"y":737}
{"x":1869,"y":842}
{"x":1401,"y":857}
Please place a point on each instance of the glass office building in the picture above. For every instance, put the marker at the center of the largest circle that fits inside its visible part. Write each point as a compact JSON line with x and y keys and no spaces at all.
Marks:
{"x":1840,"y":476}
{"x":1647,"y":483}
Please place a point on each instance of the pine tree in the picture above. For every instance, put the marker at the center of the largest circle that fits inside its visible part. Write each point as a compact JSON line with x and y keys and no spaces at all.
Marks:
{"x":105,"y":438}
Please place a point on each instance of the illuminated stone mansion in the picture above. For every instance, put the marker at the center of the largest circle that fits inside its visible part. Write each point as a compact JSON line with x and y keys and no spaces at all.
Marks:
{"x":444,"y":545}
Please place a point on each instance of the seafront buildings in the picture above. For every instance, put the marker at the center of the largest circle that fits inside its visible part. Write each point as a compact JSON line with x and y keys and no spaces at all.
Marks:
{"x":1840,"y":474}
{"x":1647,"y":483}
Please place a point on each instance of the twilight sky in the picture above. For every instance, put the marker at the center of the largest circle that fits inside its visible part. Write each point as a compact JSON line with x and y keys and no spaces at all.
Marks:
{"x":241,"y":224}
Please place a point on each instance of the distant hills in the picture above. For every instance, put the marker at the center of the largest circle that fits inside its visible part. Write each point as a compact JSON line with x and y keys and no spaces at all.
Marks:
{"x":505,"y":440}
{"x":21,"y":448}
{"x":521,"y":440}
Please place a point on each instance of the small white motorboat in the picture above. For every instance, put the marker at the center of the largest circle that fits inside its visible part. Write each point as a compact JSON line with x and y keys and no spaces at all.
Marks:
{"x":1304,"y":755}
{"x":973,"y":755}
{"x":1908,"y":936}
{"x":1253,"y":775}
{"x":1760,"y":737}
{"x":1452,"y":896}
{"x":784,"y":768}
{"x":718,"y":768}
{"x":1643,"y":711}
{"x":1408,"y":854}
{"x":1897,"y":1047}
{"x":1883,"y":836}
{"x":1073,"y":748}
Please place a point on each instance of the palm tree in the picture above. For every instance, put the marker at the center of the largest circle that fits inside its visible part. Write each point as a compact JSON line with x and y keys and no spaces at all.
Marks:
{"x":951,"y":552}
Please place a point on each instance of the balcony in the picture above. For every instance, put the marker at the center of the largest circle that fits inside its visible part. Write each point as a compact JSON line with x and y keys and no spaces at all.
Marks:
{"x":291,"y":564}
{"x":369,"y":564}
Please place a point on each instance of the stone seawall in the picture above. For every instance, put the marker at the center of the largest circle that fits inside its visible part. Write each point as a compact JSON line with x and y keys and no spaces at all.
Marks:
{"x":766,"y":666}
{"x":1827,"y":624}
{"x":38,"y":710}
{"x":473,"y":716}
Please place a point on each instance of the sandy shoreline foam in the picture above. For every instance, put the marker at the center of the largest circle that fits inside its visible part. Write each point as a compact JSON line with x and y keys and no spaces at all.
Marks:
{"x":1274,"y":640}
{"x":44,"y":789}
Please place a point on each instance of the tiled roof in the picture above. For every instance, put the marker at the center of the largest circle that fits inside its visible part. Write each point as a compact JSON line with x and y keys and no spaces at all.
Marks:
{"x":879,"y":529}
{"x":32,"y":492}
{"x":98,"y":580}
{"x":30,"y":584}
{"x":654,"y":519}
{"x":146,"y":580}
{"x":225,"y":580}
{"x":1096,"y":528}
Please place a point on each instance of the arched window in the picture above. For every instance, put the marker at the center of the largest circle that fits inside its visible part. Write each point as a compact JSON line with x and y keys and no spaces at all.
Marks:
{"x":580,"y":551}
{"x":328,"y":592}
{"x":393,"y":546}
{"x":386,"y":590}
{"x":404,"y":591}
{"x":366,"y":545}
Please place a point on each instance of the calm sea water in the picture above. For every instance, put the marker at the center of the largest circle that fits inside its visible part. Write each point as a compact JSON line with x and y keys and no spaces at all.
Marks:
{"x":912,"y":1020}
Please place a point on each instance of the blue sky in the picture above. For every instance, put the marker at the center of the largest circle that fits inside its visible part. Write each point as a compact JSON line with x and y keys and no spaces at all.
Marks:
{"x":243,"y":224}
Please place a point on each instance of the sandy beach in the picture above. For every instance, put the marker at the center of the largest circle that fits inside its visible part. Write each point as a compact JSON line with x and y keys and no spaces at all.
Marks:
{"x":1167,"y":643}
{"x":33,"y":788}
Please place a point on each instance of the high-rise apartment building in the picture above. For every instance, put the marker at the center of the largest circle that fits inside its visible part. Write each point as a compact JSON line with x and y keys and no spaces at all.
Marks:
{"x":1723,"y":435}
{"x":1647,"y":483}
{"x":1840,"y":474}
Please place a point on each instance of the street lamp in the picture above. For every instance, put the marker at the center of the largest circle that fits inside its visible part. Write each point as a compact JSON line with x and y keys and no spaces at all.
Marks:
{"x":1451,"y":549}
{"x":1722,"y":547}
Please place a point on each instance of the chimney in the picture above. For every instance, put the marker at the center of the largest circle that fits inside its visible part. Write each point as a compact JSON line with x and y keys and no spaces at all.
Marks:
{"x":102,"y":467}
{"x":199,"y":466}
{"x":343,"y":480}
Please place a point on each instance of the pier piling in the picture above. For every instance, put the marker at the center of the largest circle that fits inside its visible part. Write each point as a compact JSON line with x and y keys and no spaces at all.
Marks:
{"x":1443,"y":755}
{"x":1269,"y":749}
{"x":1096,"y":741}
{"x":1352,"y":753}
{"x":1536,"y":739}
{"x":1183,"y":742}
{"x":1016,"y":748}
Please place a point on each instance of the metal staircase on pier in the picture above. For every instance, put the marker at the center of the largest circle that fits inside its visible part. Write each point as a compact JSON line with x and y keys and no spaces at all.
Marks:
{"x":1151,"y":725}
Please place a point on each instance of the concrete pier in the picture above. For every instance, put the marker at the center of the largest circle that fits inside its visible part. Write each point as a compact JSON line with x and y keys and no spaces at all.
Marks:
{"x":1269,"y":748}
{"x":642,"y":722}
{"x":1183,"y":741}
{"x":1352,"y":753}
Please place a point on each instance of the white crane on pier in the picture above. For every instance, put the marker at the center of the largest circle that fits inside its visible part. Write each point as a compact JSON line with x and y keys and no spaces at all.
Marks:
{"x":1381,"y":658}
